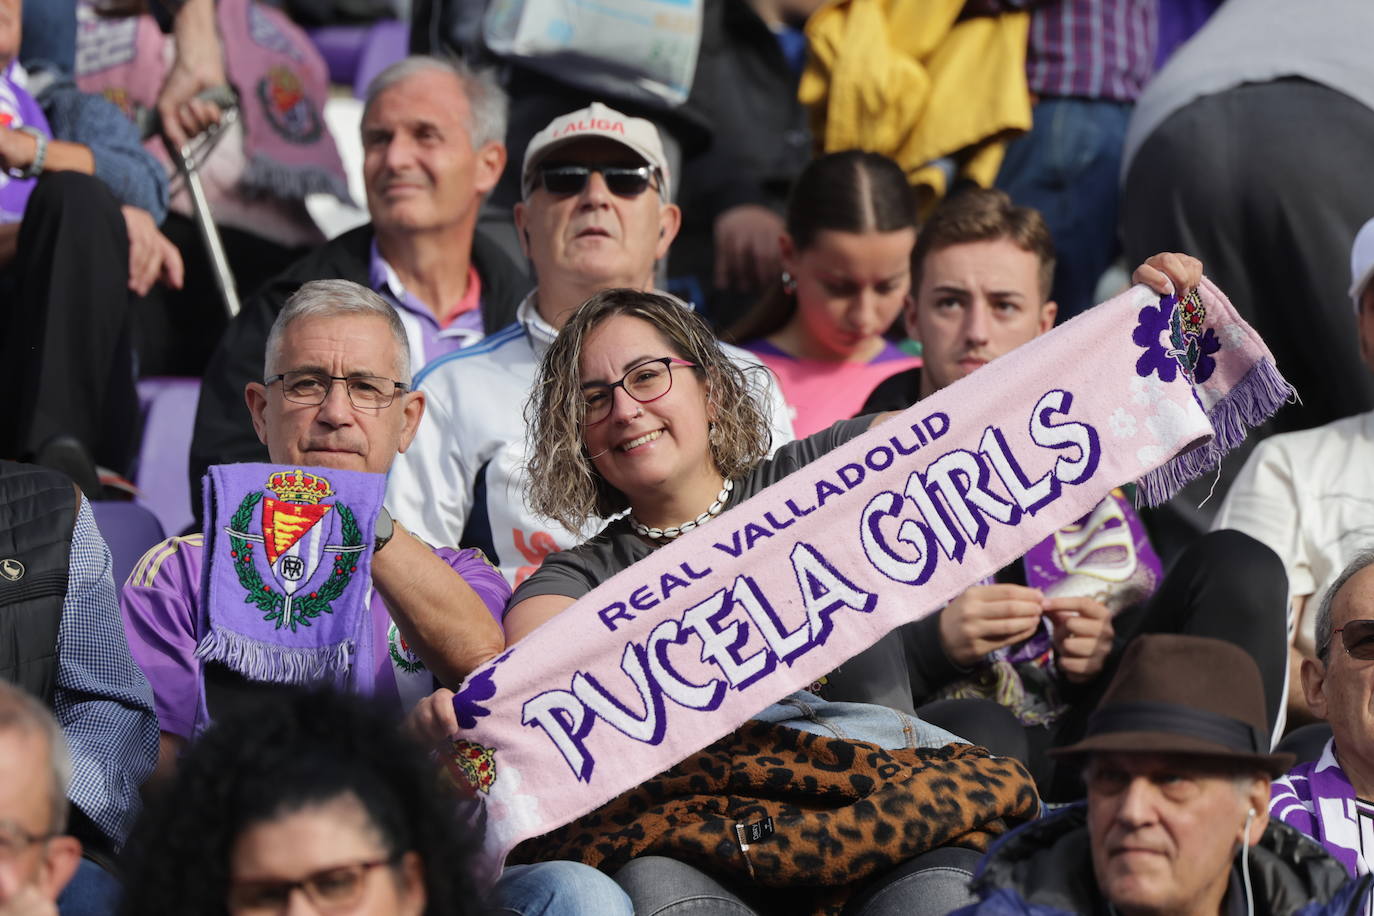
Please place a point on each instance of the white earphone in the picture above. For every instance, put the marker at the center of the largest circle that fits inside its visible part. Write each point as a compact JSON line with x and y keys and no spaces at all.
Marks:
{"x":1245,"y":861}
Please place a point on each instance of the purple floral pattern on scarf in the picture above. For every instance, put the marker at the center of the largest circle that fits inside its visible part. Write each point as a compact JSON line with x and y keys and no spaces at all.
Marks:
{"x":1187,"y":349}
{"x":467,"y":702}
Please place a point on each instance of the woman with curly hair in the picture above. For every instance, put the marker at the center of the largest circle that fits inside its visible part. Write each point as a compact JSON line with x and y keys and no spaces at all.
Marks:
{"x":297,"y":796}
{"x":639,"y":414}
{"x":304,"y":797}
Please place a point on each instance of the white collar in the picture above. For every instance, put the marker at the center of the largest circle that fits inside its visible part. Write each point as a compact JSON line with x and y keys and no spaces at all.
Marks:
{"x":540,"y":332}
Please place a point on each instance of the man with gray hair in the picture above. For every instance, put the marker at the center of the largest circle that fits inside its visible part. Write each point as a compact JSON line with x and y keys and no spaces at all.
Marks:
{"x":335,"y":394}
{"x":36,"y":858}
{"x":62,"y":642}
{"x":1329,"y":798}
{"x":433,"y":146}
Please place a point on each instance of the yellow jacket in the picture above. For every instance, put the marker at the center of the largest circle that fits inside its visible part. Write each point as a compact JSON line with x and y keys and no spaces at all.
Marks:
{"x":903,"y":78}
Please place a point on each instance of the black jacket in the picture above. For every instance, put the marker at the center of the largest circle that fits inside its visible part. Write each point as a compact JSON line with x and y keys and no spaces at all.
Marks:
{"x":1045,"y":868}
{"x":748,"y":91}
{"x":224,"y":430}
{"x":37,"y":514}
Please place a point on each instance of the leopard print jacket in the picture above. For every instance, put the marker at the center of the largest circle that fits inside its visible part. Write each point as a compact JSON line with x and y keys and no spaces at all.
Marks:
{"x":810,"y":818}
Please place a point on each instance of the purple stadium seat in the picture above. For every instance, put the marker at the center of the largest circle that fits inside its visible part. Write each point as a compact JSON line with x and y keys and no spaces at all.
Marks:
{"x":387,"y":42}
{"x":341,"y":46}
{"x":169,"y":410}
{"x":357,"y":53}
{"x":129,"y":529}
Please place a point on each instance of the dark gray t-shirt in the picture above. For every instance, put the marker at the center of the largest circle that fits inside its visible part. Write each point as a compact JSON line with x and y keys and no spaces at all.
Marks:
{"x":876,"y":675}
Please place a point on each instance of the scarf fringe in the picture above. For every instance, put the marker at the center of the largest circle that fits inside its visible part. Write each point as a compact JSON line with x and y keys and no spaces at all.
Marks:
{"x":260,"y":661}
{"x":266,"y":177}
{"x":1252,"y":401}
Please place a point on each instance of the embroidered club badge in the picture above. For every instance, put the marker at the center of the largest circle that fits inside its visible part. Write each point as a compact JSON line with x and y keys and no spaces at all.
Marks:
{"x":289,"y":110}
{"x":471,"y":767}
{"x":294,"y":532}
{"x":402,"y":656}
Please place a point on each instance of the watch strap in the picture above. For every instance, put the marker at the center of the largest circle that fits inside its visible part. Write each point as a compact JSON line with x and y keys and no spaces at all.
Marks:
{"x":40,"y":153}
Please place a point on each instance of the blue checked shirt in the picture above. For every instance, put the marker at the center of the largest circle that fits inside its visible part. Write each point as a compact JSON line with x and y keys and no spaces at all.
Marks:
{"x":102,"y":700}
{"x":1092,"y":49}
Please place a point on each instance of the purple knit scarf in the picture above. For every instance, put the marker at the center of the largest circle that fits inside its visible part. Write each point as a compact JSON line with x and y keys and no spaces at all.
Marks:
{"x":288,"y":558}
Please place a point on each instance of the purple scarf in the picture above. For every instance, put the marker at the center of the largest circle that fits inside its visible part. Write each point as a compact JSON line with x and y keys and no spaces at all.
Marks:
{"x":17,"y":109}
{"x":282,"y":83}
{"x":288,"y":556}
{"x":1317,"y":799}
{"x":1105,"y":555}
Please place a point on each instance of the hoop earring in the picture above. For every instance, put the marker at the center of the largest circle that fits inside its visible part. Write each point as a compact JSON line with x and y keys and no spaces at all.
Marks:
{"x":789,"y":284}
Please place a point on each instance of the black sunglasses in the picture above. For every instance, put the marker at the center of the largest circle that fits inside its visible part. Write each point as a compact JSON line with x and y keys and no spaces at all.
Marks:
{"x":622,"y":180}
{"x":1357,"y":637}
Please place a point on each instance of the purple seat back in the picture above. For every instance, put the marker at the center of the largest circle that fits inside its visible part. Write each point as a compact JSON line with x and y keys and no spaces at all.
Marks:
{"x":130,"y":530}
{"x":169,"y":411}
{"x":387,"y":42}
{"x":357,"y":53}
{"x":341,"y":46}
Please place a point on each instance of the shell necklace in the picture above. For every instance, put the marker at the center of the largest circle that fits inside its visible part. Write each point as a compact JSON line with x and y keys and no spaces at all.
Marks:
{"x":667,"y":534}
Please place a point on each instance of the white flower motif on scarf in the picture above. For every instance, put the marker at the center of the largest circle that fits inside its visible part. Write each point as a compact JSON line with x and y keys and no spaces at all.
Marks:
{"x":515,"y":812}
{"x":1151,"y":454}
{"x":1168,"y":423}
{"x":1232,"y":336}
{"x":1122,"y":423}
{"x":1148,"y":390}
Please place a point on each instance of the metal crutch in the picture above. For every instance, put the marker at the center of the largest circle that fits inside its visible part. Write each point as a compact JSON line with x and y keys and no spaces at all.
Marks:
{"x":187,"y":161}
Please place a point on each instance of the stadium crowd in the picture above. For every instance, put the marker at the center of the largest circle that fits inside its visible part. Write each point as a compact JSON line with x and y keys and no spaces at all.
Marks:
{"x":609,"y":279}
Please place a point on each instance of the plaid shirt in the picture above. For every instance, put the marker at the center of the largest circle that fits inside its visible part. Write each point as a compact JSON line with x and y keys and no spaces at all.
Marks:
{"x":102,"y":700}
{"x":1092,"y":49}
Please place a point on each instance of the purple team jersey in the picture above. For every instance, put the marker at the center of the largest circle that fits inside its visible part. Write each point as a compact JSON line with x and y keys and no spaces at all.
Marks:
{"x":159,"y":607}
{"x":17,"y":109}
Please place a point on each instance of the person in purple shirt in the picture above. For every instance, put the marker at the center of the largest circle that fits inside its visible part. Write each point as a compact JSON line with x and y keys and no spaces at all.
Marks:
{"x":80,"y":204}
{"x":435,"y":613}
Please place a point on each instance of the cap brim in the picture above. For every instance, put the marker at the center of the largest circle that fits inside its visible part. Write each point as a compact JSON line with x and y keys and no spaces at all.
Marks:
{"x":1142,"y":742}
{"x":1358,"y":286}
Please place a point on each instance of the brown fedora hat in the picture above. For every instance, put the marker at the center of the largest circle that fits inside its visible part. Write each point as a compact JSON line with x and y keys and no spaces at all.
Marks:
{"x":1183,"y":695}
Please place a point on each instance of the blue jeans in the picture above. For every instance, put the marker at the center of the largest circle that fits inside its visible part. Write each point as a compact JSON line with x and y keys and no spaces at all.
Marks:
{"x":92,"y":892}
{"x":880,"y":725}
{"x":558,"y":889}
{"x":49,"y":33}
{"x":931,"y":884}
{"x":1068,"y":167}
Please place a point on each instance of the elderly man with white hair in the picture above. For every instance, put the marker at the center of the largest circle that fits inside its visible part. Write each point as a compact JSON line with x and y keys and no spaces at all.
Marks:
{"x":37,"y":858}
{"x":1328,"y":798}
{"x":433,"y":135}
{"x":336,"y":393}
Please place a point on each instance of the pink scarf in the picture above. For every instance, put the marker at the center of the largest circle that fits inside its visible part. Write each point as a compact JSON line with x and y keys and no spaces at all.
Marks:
{"x":281,"y":80}
{"x":684,"y":646}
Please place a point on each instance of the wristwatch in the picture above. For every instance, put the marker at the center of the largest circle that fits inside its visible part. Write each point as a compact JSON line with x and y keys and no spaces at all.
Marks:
{"x":383,"y":530}
{"x":40,"y":154}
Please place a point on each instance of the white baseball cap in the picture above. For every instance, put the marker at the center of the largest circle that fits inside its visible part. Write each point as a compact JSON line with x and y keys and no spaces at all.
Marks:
{"x":596,"y":120}
{"x":1361,"y":262}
